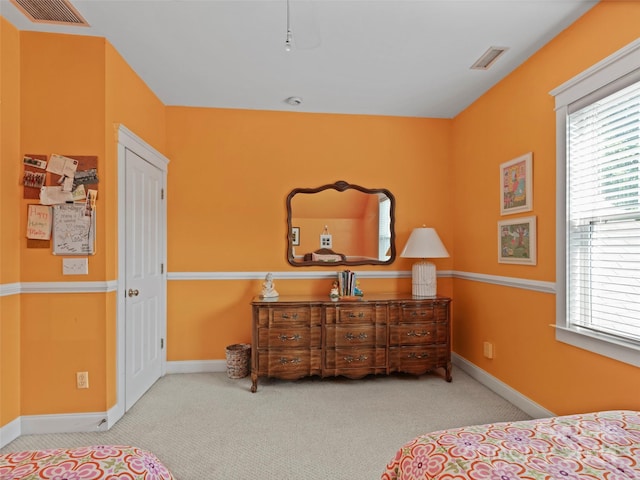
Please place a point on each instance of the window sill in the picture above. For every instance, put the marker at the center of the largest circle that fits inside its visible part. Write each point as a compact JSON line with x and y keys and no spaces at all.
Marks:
{"x":616,"y":349}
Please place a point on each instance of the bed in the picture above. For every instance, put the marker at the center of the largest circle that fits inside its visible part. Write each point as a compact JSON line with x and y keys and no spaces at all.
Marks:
{"x":601,"y":445}
{"x":102,"y":462}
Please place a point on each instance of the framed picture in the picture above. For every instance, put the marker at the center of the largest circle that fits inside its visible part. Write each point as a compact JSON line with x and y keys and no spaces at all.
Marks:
{"x":516,"y":193}
{"x":295,"y":236}
{"x":517,"y":241}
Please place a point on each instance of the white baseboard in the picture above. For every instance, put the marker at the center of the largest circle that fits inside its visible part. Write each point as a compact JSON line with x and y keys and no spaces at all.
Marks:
{"x":113,"y":415}
{"x":64,"y":423}
{"x":505,"y":391}
{"x":196,"y":366}
{"x":9,"y":432}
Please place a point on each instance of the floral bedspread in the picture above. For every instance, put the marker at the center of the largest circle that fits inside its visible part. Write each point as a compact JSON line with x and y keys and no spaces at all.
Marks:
{"x":601,"y":445}
{"x":112,"y":462}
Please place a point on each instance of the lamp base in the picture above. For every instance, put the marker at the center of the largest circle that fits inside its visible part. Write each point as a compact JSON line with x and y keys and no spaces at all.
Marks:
{"x":423,"y":279}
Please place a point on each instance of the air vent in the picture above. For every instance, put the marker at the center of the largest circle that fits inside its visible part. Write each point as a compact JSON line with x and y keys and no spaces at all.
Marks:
{"x":60,"y":12}
{"x":488,"y":58}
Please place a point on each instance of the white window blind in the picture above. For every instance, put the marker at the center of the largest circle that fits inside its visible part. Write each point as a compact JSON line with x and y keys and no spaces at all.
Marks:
{"x":603,"y":214}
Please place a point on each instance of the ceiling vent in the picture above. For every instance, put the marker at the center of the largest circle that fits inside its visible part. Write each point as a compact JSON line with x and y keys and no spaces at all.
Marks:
{"x":488,"y":58}
{"x":59,"y":12}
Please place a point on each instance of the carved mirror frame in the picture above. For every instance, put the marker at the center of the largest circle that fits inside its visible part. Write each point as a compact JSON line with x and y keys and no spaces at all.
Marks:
{"x":340,"y":186}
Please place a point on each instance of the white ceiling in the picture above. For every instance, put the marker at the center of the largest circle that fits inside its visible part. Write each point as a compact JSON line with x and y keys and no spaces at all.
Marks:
{"x":380,"y":57}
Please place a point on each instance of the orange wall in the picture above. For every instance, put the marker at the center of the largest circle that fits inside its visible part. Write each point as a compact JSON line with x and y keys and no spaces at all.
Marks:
{"x":88,"y":91}
{"x":63,"y":111}
{"x":231,"y":171}
{"x":10,"y":214}
{"x":63,"y":114}
{"x":229,"y":177}
{"x":515,"y":117}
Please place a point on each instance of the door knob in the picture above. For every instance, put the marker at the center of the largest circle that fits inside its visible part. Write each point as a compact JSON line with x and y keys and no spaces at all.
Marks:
{"x":133,"y":293}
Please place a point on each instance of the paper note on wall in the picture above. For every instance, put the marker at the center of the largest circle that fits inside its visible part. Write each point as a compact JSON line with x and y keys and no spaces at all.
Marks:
{"x":73,"y":231}
{"x":63,"y":166}
{"x":54,"y":195}
{"x":39,"y":222}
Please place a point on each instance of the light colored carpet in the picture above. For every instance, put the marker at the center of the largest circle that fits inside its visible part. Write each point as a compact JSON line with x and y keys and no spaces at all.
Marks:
{"x":206,"y":426}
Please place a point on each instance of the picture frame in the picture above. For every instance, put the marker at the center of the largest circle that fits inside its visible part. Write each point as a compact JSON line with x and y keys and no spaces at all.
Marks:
{"x":295,"y":236}
{"x":517,"y":241}
{"x":516,"y":185}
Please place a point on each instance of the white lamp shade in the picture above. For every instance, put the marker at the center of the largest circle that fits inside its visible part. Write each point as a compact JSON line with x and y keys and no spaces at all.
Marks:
{"x":424,"y":243}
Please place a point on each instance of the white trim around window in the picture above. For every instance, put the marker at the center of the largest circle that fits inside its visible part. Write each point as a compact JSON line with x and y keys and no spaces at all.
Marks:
{"x":622,"y":65}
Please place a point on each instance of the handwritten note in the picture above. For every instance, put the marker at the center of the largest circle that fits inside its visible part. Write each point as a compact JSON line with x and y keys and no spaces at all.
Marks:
{"x":39,"y":222}
{"x":73,"y":231}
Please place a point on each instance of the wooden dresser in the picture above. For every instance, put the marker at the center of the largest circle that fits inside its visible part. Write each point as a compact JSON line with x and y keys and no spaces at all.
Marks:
{"x":298,"y":336}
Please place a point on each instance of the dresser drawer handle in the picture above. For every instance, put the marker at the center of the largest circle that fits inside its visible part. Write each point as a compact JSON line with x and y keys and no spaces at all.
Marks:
{"x":286,"y":316}
{"x":413,"y":333}
{"x":360,"y":358}
{"x":359,"y":315}
{"x":350,"y":336}
{"x":420,"y":313}
{"x":285,"y":361}
{"x":418,"y":356}
{"x":284,"y":338}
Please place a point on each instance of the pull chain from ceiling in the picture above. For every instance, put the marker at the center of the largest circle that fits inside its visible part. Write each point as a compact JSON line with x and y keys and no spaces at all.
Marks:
{"x":287,"y":43}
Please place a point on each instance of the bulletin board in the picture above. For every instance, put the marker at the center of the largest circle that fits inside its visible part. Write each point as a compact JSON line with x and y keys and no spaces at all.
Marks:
{"x":44,"y":180}
{"x":87,"y":166}
{"x":74,"y":230}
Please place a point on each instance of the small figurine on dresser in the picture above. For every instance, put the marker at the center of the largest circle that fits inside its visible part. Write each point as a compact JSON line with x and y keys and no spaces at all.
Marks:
{"x":269,"y":287}
{"x":356,"y":290}
{"x":335,"y":292}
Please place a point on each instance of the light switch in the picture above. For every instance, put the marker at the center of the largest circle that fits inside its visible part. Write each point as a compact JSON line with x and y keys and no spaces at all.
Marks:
{"x":75,"y":266}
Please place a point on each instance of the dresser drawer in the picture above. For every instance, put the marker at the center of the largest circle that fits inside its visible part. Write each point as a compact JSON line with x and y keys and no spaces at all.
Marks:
{"x":418,"y":333}
{"x":355,"y":312}
{"x":289,"y":364}
{"x":354,"y":335}
{"x":418,"y":359}
{"x":343,"y":359}
{"x":288,"y":315}
{"x":424,"y":313}
{"x":277,"y":337}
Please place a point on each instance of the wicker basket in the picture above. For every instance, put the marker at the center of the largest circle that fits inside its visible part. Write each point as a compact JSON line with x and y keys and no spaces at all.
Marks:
{"x":238,"y":360}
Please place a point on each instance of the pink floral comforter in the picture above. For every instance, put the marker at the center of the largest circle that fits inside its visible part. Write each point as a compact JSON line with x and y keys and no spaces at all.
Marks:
{"x":602,"y":445}
{"x":112,"y":462}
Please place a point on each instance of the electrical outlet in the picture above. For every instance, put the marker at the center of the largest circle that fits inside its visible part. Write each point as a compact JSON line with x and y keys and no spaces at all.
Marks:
{"x":82,"y":379}
{"x":488,"y":349}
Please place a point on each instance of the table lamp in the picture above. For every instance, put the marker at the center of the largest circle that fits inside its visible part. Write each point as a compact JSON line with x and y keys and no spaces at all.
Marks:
{"x":424,"y":243}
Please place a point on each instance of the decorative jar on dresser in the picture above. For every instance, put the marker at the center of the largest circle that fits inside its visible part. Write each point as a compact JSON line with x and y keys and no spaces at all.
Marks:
{"x":299,"y":336}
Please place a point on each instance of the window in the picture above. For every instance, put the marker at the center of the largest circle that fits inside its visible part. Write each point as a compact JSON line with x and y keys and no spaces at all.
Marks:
{"x":598,"y":227}
{"x":384,"y":228}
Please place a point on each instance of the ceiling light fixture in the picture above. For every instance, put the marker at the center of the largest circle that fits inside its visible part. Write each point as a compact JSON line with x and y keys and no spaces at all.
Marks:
{"x":287,"y":43}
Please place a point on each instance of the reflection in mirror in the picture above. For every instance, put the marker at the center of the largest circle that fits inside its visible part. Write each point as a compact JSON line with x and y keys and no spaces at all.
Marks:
{"x":340,"y":224}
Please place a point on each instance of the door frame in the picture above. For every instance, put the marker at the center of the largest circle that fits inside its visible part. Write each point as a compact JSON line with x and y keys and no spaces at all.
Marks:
{"x":127,"y":140}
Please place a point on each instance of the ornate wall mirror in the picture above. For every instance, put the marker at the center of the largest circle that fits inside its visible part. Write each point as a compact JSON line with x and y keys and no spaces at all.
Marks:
{"x":340,"y":224}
